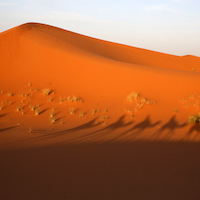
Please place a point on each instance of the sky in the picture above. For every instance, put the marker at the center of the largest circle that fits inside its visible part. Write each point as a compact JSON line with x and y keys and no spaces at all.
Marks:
{"x":168,"y":26}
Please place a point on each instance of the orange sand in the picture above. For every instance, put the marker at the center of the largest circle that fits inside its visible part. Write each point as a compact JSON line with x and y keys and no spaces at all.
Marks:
{"x":117,"y":149}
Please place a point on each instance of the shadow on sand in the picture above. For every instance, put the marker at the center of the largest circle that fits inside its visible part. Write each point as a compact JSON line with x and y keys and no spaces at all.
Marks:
{"x":170,"y":127}
{"x":87,"y":125}
{"x":3,"y":115}
{"x":6,"y":129}
{"x":127,"y":135}
{"x":139,"y":128}
{"x":44,"y":110}
{"x":120,"y":123}
{"x":194,"y":132}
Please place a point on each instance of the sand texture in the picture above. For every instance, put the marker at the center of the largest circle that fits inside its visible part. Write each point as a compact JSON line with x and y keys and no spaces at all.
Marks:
{"x":82,"y":118}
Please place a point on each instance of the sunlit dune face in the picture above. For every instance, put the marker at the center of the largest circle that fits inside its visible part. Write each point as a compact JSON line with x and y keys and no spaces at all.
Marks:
{"x":55,"y":80}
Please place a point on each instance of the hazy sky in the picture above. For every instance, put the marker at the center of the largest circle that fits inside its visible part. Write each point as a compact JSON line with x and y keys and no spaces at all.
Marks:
{"x":169,"y":26}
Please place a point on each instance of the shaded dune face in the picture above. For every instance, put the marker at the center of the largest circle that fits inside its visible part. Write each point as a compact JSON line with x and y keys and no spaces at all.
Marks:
{"x":136,"y":170}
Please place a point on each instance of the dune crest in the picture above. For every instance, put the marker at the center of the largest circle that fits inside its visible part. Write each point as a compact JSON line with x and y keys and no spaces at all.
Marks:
{"x":49,"y":35}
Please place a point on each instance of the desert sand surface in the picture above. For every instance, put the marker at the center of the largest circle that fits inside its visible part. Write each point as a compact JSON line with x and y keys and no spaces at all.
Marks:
{"x":83,"y":118}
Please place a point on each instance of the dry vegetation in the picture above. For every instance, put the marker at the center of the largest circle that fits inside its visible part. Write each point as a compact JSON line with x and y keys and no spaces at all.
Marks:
{"x":192,"y":100}
{"x":138,"y":101}
{"x":74,"y":99}
{"x":82,"y":115}
{"x":72,"y":110}
{"x":26,"y":99}
{"x":37,"y":111}
{"x":46,"y":91}
{"x":193,"y":119}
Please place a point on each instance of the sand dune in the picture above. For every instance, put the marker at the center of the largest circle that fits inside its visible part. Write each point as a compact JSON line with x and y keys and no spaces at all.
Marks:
{"x":124,"y":99}
{"x":57,"y":38}
{"x":101,"y":73}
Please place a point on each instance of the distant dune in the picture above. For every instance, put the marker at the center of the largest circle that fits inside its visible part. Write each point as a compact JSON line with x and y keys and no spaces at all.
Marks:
{"x":65,"y":92}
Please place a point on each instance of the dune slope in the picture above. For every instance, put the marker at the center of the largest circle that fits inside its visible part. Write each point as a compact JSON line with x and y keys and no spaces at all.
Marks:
{"x":103,"y":74}
{"x":60,"y":38}
{"x":82,"y":118}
